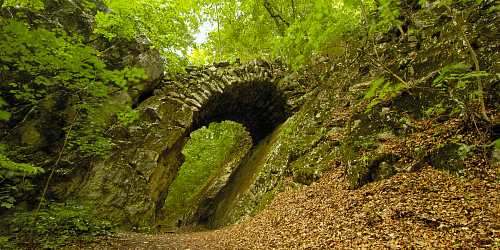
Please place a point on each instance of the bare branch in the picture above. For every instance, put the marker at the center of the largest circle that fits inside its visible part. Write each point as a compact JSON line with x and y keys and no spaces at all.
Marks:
{"x":271,"y":8}
{"x":386,"y":69}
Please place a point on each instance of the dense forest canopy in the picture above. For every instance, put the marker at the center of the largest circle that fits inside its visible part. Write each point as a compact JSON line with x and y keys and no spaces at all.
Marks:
{"x":295,"y":30}
{"x":292,"y":29}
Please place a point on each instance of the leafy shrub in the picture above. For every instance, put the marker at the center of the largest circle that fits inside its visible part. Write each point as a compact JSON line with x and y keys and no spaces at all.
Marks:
{"x":59,"y":225}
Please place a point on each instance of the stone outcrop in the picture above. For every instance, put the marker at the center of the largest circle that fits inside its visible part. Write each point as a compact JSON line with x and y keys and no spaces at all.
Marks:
{"x":130,"y":185}
{"x":38,"y":129}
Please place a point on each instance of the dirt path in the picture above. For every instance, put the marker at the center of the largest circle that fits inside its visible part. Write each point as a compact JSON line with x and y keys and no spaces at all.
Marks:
{"x":137,"y":241}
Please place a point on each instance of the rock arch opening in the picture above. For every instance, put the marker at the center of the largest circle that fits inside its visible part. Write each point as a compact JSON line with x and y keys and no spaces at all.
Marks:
{"x":209,"y":154}
{"x":251,"y":95}
{"x":259,"y":106}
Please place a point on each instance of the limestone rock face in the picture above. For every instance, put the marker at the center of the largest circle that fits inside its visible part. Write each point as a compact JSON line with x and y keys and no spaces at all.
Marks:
{"x":117,"y":53}
{"x":135,"y":53}
{"x":39,"y":128}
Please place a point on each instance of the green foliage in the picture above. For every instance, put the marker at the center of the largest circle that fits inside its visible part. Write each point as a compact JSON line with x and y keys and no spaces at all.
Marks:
{"x":435,"y":110}
{"x":30,"y":4}
{"x":4,"y":115}
{"x":168,"y":24}
{"x":88,"y":5}
{"x":48,"y":59}
{"x":383,"y":94}
{"x":40,"y":62}
{"x":60,"y":225}
{"x":205,"y":152}
{"x":325,"y":27}
{"x":52,"y":58}
{"x":10,"y":169}
{"x":242,"y":29}
{"x":200,"y":56}
{"x":388,"y":10}
{"x":497,"y":143}
{"x":458,"y":74}
{"x":247,"y":30}
{"x":112,"y":26}
{"x":454,"y":83}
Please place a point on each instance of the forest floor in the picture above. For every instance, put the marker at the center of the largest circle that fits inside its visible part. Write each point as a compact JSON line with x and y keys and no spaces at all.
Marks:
{"x":429,"y":209}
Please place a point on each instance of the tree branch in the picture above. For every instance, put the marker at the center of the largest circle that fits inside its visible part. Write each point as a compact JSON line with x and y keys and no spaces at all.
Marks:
{"x":386,"y":69}
{"x":270,"y":7}
{"x":33,"y":225}
{"x":480,"y":90}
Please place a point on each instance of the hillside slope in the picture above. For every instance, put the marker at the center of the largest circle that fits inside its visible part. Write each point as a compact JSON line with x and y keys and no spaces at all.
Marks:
{"x":424,"y":210}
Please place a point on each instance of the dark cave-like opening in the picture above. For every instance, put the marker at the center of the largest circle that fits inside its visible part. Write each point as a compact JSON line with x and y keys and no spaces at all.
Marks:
{"x":259,"y":107}
{"x":143,"y":97}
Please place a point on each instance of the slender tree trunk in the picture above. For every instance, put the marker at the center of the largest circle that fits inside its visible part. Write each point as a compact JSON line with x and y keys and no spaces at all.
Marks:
{"x":218,"y":30}
{"x":220,"y":51}
{"x":480,"y":89}
{"x":363,"y":11}
{"x":294,"y":14}
{"x":366,"y":23}
{"x":31,"y":237}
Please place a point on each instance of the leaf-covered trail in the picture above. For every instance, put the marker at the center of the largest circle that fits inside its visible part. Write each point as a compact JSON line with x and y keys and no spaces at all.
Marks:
{"x":423,"y":210}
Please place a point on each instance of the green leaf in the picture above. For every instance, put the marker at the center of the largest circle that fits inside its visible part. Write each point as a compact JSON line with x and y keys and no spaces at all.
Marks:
{"x":7,"y":205}
{"x":460,"y":66}
{"x":429,"y":111}
{"x":4,"y":115}
{"x":351,"y":2}
{"x":373,"y":88}
{"x":497,"y":143}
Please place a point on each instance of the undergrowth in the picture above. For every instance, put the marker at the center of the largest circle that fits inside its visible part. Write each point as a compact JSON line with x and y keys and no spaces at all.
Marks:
{"x":59,"y":226}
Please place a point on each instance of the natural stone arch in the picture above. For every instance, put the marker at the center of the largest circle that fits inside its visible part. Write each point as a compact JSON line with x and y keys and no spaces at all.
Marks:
{"x":249,"y":95}
{"x":130,"y":185}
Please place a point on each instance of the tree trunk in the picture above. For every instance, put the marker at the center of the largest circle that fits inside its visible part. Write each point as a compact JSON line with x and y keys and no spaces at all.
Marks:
{"x":480,"y":89}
